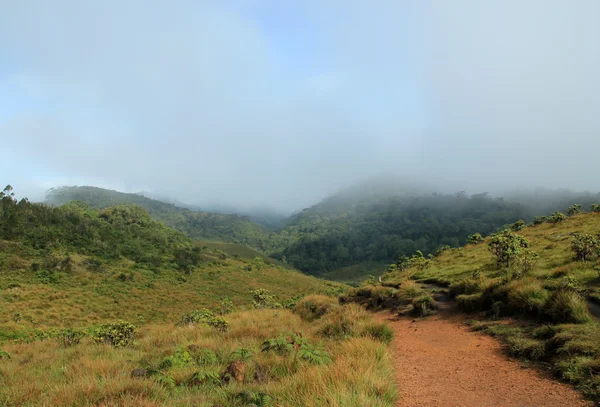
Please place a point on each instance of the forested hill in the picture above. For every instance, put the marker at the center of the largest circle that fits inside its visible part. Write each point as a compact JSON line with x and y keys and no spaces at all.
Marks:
{"x":337,"y":234}
{"x":370,"y":224}
{"x":195,"y":224}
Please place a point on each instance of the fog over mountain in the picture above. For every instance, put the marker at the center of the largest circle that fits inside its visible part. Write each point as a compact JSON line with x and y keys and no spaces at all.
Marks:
{"x":250,"y":103}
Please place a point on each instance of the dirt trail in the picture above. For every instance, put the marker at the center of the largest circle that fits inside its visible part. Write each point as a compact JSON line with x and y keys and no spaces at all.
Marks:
{"x":441,"y":363}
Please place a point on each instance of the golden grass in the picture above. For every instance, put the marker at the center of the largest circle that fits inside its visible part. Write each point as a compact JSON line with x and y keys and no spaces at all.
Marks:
{"x":44,"y":373}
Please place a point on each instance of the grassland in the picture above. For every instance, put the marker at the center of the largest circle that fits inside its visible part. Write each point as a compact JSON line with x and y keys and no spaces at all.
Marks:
{"x":110,"y":308}
{"x":538,"y":307}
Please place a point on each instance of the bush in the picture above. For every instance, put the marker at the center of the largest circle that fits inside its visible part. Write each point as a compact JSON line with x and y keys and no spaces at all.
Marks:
{"x":469,"y":302}
{"x":574,"y":210}
{"x":206,"y":317}
{"x":280,"y":346}
{"x":585,"y":246}
{"x":518,"y":225}
{"x":538,"y":220}
{"x":263,"y":300}
{"x":242,"y":354}
{"x":225,"y":306}
{"x":526,"y":261}
{"x":337,"y":326}
{"x":475,"y":238}
{"x":315,"y":306}
{"x":506,"y":246}
{"x":424,"y":305}
{"x":70,"y":337}
{"x":4,"y":355}
{"x":117,"y":334}
{"x":565,"y":305}
{"x":596,"y":208}
{"x":180,"y":358}
{"x":557,"y":217}
{"x":441,"y":250}
{"x":379,"y":332}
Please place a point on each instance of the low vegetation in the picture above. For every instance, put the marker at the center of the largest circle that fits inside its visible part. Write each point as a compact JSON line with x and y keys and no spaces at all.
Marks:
{"x":545,"y":274}
{"x":110,"y":308}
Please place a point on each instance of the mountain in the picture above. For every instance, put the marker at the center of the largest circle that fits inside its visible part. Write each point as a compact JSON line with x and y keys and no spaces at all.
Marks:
{"x":197,"y":225}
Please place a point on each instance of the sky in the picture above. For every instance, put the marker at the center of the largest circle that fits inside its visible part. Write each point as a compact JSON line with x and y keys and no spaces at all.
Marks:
{"x":278,"y":104}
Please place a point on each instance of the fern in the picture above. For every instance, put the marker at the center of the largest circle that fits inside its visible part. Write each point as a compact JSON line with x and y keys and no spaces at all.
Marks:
{"x":242,"y":354}
{"x":277,"y":345}
{"x":315,"y":355}
{"x":257,"y":399}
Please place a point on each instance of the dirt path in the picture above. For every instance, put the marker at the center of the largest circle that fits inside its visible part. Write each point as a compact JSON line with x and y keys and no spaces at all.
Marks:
{"x":441,"y":363}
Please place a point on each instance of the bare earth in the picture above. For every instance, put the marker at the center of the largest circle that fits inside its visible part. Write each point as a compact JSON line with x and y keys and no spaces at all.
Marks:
{"x":441,"y":363}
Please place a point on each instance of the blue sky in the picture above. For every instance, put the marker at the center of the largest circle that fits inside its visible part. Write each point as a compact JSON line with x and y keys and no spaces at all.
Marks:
{"x":270,"y":103}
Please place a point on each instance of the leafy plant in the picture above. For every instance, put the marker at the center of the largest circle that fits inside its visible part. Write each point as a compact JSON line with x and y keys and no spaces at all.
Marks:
{"x":585,"y":246}
{"x":262,"y":299}
{"x":180,"y":358}
{"x":506,"y":246}
{"x":313,"y":354}
{"x":4,"y":355}
{"x":242,"y":354}
{"x":200,"y":378}
{"x":574,"y":210}
{"x":204,"y":316}
{"x":518,"y":225}
{"x":225,"y":306}
{"x":205,"y":356}
{"x":278,"y":345}
{"x":70,"y":337}
{"x":475,"y":238}
{"x":117,"y":334}
{"x":557,"y":217}
{"x":596,"y":208}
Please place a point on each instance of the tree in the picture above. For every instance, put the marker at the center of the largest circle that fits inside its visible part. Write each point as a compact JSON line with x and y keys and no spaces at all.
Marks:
{"x":506,"y":246}
{"x":574,"y":210}
{"x":585,"y":246}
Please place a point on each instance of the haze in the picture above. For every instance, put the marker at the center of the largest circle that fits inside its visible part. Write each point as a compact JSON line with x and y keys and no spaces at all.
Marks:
{"x":278,"y":104}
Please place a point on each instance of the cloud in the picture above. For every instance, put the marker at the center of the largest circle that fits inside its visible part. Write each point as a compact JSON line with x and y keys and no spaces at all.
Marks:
{"x":258,"y":103}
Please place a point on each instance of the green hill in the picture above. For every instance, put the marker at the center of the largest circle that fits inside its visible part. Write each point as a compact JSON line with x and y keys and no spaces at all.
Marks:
{"x":197,"y":225}
{"x":536,"y":287}
{"x":111,"y":308}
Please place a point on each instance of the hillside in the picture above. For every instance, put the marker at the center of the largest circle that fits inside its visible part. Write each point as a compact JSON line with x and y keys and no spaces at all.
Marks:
{"x":535,"y":287}
{"x":197,"y":225}
{"x":111,"y":308}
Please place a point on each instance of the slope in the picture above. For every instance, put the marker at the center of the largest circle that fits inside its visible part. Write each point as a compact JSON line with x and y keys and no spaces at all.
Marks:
{"x":110,"y":308}
{"x":197,"y":225}
{"x":532,"y":286}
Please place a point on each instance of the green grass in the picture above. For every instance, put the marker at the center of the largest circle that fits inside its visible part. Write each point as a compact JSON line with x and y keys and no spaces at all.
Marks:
{"x":356,"y":273}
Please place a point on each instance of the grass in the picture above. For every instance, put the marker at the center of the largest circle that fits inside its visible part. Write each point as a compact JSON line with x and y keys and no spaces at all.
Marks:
{"x":550,"y":320}
{"x":356,"y":372}
{"x":355,"y":274}
{"x":59,"y":337}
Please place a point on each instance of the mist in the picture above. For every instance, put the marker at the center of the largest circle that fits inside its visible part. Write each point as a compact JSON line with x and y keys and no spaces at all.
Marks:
{"x":273,"y":104}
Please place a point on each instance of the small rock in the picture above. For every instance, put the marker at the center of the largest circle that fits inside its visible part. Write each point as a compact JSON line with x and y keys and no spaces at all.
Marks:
{"x":235,"y":371}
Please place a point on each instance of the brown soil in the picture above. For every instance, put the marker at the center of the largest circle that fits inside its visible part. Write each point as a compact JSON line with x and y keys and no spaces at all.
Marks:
{"x":441,"y":363}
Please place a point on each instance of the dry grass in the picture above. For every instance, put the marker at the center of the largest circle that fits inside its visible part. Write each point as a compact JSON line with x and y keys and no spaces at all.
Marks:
{"x":43,"y":373}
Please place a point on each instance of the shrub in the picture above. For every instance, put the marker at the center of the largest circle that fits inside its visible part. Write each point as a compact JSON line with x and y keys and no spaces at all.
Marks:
{"x":4,"y":355}
{"x":518,"y":225}
{"x":566,"y":305}
{"x":475,"y":238}
{"x":337,"y":326}
{"x":469,"y":302}
{"x":557,"y":217}
{"x":315,"y":306}
{"x":70,"y":337}
{"x":117,"y":334}
{"x":379,"y":332}
{"x":585,"y":246}
{"x":538,"y":220}
{"x":205,"y":356}
{"x":409,"y":290}
{"x":506,"y":246}
{"x":424,"y":305}
{"x":206,"y":317}
{"x":180,"y":358}
{"x":596,"y":208}
{"x":225,"y":306}
{"x":263,"y":300}
{"x":526,"y":261}
{"x":441,"y":250}
{"x":403,"y":263}
{"x":574,"y":210}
